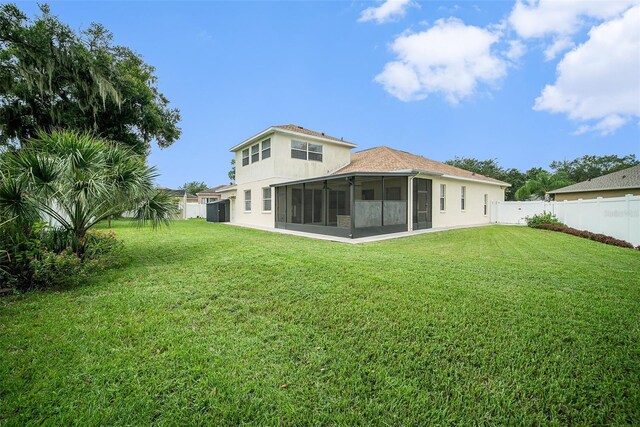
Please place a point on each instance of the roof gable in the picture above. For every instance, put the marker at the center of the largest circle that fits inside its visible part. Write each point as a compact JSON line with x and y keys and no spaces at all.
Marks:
{"x":385,"y":159}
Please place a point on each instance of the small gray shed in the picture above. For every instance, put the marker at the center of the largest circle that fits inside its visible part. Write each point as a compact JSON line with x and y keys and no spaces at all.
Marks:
{"x":218,"y":211}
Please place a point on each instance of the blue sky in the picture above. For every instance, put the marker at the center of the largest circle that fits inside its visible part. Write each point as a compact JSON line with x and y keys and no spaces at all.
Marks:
{"x":523,"y":83}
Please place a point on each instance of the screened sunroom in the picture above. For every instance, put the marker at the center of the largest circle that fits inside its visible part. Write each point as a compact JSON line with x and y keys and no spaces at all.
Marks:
{"x":350,"y":205}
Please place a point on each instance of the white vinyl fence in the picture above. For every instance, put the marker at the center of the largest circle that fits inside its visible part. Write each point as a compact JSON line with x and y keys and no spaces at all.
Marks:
{"x":617,"y":217}
{"x":194,"y":210}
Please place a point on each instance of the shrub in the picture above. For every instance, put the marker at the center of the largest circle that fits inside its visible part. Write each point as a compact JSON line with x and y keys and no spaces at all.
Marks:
{"x":42,"y":256}
{"x":57,"y":269}
{"x":608,"y":240}
{"x":543,"y":218}
{"x":19,"y":243}
{"x":99,"y":244}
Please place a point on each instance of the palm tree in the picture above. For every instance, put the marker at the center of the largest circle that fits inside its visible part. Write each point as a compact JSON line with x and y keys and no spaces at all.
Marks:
{"x":541,"y":184}
{"x":78,"y":180}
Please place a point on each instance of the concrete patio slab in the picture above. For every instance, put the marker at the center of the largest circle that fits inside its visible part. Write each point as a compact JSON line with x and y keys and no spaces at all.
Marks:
{"x":368,"y":239}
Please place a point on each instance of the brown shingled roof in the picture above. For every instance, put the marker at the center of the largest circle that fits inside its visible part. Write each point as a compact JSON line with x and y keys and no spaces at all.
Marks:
{"x":213,"y":190}
{"x":626,"y":178}
{"x":300,"y":129}
{"x":385,"y":159}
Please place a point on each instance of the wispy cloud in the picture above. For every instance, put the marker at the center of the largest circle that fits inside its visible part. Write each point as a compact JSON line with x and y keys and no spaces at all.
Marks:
{"x":389,"y":11}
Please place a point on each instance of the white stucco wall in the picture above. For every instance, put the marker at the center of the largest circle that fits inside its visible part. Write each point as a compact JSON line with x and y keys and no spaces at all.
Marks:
{"x":280,"y":167}
{"x":473,"y":214}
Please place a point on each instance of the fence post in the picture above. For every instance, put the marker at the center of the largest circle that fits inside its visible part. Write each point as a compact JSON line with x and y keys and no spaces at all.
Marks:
{"x":599,"y":215}
{"x":580,"y":214}
{"x":628,"y":212}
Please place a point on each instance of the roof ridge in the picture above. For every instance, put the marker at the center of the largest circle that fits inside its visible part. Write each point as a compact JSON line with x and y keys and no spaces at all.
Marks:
{"x":394,"y":153}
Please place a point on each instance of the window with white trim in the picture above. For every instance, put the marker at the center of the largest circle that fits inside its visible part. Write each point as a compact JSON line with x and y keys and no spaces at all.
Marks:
{"x":255,"y":153}
{"x":486,"y":204}
{"x":306,"y":151}
{"x":247,"y":200}
{"x":245,"y":157}
{"x":315,"y":152}
{"x":443,"y":196}
{"x":463,"y":197}
{"x":266,"y":148}
{"x":266,"y":199}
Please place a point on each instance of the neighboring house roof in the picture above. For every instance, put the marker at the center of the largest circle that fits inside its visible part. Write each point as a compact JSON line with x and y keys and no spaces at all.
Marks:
{"x":292,"y":130}
{"x":385,"y":159}
{"x":626,"y":178}
{"x":179,"y":193}
{"x":212,"y":190}
{"x":225,"y":188}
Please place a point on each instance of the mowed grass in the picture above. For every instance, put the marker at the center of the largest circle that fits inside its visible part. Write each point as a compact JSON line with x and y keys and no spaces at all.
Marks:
{"x":214,"y":324}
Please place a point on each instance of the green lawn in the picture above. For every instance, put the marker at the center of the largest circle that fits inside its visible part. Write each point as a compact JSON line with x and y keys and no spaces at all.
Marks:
{"x":213,"y":324}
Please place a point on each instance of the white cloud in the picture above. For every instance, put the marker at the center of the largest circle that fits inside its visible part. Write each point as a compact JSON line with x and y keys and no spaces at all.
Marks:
{"x":599,"y":81}
{"x":606,"y":126}
{"x":540,"y":18}
{"x":450,"y":58}
{"x":516,"y":50}
{"x":559,"y":45}
{"x":388,"y":11}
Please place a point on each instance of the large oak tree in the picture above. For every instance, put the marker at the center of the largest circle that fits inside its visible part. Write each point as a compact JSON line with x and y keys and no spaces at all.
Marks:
{"x":52,"y":77}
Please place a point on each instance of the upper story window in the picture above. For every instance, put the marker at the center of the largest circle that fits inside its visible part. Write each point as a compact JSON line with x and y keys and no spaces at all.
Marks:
{"x":245,"y":157}
{"x":266,"y":148}
{"x":443,"y":197}
{"x":306,"y":151}
{"x":463,"y":197}
{"x":255,"y":153}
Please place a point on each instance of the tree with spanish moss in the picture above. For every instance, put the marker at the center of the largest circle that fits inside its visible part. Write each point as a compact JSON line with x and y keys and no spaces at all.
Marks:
{"x":52,"y":77}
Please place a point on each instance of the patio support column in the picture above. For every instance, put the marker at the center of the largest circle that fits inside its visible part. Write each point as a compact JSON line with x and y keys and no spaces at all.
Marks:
{"x":302,"y":210}
{"x":352,"y":196}
{"x":382,"y":202}
{"x":410,"y":204}
{"x":325,"y":202}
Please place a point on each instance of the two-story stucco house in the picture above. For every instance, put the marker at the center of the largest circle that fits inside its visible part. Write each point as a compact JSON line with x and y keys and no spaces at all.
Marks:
{"x":294,"y":178}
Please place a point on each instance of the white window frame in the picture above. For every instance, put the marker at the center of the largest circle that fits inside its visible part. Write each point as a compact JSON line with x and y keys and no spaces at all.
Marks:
{"x":255,"y":153}
{"x":309,"y":150}
{"x":443,"y":198}
{"x":245,"y":157}
{"x":463,"y":198}
{"x":247,"y":200}
{"x":266,"y":151}
{"x":317,"y":151}
{"x":266,"y":199}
